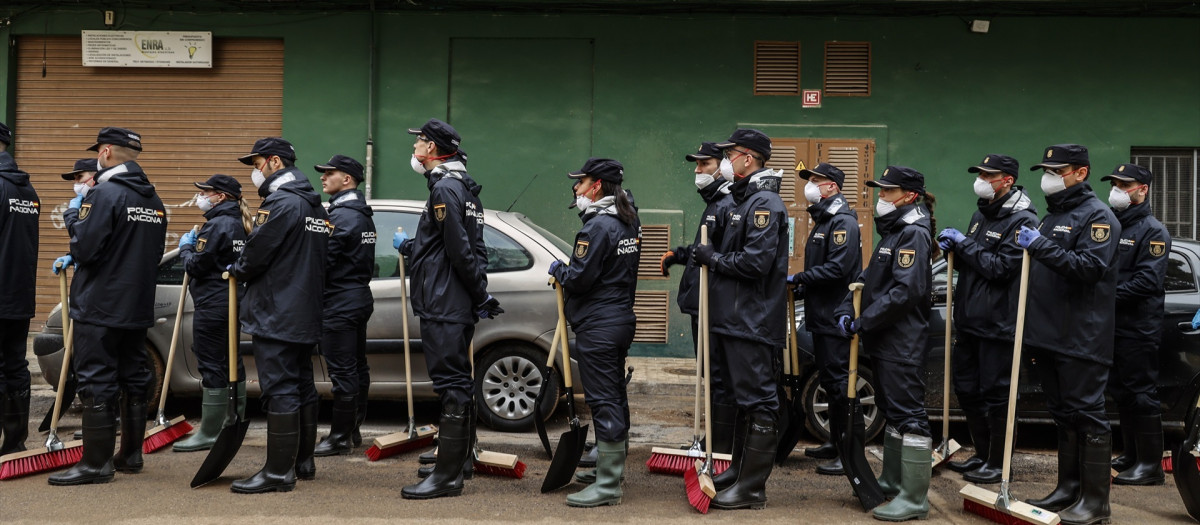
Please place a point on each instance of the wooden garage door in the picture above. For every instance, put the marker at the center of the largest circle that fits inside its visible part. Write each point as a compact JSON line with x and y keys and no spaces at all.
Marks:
{"x":193,"y":123}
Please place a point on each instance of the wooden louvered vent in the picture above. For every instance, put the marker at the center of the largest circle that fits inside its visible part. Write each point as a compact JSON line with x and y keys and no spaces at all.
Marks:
{"x":656,"y":239}
{"x":777,"y":68}
{"x":784,"y":158}
{"x":847,"y":69}
{"x":651,"y":309}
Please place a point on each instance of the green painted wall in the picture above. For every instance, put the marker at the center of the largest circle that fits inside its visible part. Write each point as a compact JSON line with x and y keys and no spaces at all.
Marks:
{"x":942,"y":97}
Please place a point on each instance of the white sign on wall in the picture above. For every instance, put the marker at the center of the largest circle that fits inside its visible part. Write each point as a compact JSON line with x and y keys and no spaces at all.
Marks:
{"x":147,"y":49}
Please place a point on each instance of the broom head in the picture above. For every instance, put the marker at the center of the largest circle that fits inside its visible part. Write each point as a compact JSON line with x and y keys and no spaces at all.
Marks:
{"x":499,"y":464}
{"x":982,"y":502}
{"x":677,"y":462}
{"x":28,"y":462}
{"x":940,"y":459}
{"x":163,"y":435}
{"x":700,"y":489}
{"x":401,"y":442}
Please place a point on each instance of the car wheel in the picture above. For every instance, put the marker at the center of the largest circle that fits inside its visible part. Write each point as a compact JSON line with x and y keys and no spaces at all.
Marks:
{"x":507,"y":383}
{"x":816,"y":406}
{"x":158,"y":371}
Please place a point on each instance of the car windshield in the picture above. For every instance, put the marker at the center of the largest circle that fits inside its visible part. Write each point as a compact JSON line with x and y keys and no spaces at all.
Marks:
{"x":557,"y":242}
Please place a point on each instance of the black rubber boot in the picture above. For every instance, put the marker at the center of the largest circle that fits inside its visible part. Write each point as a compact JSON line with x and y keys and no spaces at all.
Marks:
{"x":750,"y":489}
{"x":340,"y":440}
{"x":1129,"y":454}
{"x":977,"y":425}
{"x":724,"y":425}
{"x":429,"y":457}
{"x":359,"y":417}
{"x":1148,"y":441}
{"x":1096,"y":460}
{"x":15,"y":421}
{"x":279,"y":473}
{"x":1067,"y":490}
{"x":133,"y":433}
{"x":590,"y":453}
{"x":993,"y":469}
{"x":729,"y":476}
{"x":468,"y":468}
{"x":834,"y":466}
{"x":306,"y":468}
{"x":454,"y":447}
{"x":99,"y":438}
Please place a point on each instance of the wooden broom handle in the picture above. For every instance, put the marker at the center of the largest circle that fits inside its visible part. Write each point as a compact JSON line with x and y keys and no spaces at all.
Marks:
{"x":708,"y":439}
{"x":946,"y":367}
{"x":852,"y":381}
{"x":68,"y":345}
{"x":1018,"y":338}
{"x":407,"y":350}
{"x":233,"y":327}
{"x":162,"y":396}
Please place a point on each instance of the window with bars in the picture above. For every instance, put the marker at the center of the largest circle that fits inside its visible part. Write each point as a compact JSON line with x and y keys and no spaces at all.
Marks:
{"x":1175,"y":193}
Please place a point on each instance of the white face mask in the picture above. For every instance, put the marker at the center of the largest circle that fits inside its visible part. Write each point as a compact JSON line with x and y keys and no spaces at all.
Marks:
{"x":82,"y":189}
{"x":416,"y":165}
{"x":257,"y":178}
{"x":203,"y":203}
{"x":726,"y":170}
{"x":812,"y":192}
{"x":703,"y":180}
{"x":582,"y":202}
{"x":1052,"y":183}
{"x":883,"y":207}
{"x":984,"y":189}
{"x":1118,"y":199}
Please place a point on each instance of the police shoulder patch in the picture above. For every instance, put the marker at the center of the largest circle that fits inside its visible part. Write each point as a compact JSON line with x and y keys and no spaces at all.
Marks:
{"x":1158,"y":248}
{"x":839,"y":237}
{"x":581,"y":249}
{"x":907,"y":258}
{"x":201,"y":243}
{"x":762,"y":218}
{"x":439,"y":212}
{"x":974,"y":227}
{"x":84,"y":211}
{"x":261,"y":218}
{"x":1100,"y":232}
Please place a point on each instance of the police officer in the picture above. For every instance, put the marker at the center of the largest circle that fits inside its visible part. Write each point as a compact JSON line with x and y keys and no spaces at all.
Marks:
{"x":1142,"y":269}
{"x":283,"y":267}
{"x":895,"y":312}
{"x":348,"y":302}
{"x":599,"y":283}
{"x":988,"y":261}
{"x":118,"y":232}
{"x":832,"y":260}
{"x":1069,"y":328}
{"x":748,"y":269}
{"x":449,"y":295}
{"x":19,"y":208}
{"x":719,"y":202}
{"x":205,"y":255}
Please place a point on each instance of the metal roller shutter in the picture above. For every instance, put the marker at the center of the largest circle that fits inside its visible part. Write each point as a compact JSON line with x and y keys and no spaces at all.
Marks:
{"x":193,"y":122}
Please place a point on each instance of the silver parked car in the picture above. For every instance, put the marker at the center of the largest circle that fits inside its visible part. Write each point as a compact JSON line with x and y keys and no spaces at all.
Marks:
{"x":510,"y":351}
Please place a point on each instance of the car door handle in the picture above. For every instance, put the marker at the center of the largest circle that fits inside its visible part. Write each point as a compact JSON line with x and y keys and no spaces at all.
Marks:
{"x":160,"y":320}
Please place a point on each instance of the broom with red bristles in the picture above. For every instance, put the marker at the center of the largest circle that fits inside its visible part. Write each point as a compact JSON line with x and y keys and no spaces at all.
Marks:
{"x":698,"y":481}
{"x":414,"y":437}
{"x":56,"y":454}
{"x":486,"y":461}
{"x":166,"y":432}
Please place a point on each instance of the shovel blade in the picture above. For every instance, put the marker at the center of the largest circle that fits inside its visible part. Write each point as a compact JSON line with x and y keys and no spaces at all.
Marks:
{"x":793,"y":429}
{"x":1187,"y":476}
{"x":226,"y":446}
{"x":538,"y":422}
{"x":854,"y":461}
{"x":566,"y":459}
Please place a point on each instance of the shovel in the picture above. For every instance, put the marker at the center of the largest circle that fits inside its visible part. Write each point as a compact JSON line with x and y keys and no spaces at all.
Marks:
{"x":538,"y":422}
{"x":852,"y":440}
{"x":948,"y":447}
{"x":570,"y":444}
{"x":234,"y":430}
{"x":1187,"y":476}
{"x":794,"y":411}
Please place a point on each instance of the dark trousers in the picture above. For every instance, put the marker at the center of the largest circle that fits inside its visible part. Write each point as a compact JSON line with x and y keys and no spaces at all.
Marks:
{"x":717,"y":385}
{"x":982,"y":373}
{"x":1134,"y":381}
{"x":109,"y":361}
{"x":1074,"y":390}
{"x":14,"y":369}
{"x":445,"y":346}
{"x":601,"y":352}
{"x":832,"y":356}
{"x":285,"y":372}
{"x":344,"y":346}
{"x":901,"y":396}
{"x":748,"y":374}
{"x":210,"y":344}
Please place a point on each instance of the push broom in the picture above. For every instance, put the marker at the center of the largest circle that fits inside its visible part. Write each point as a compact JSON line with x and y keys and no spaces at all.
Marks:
{"x":698,"y":480}
{"x":487,"y":461}
{"x":56,"y":454}
{"x":948,"y":447}
{"x":1002,"y":508}
{"x":415,"y":437}
{"x":166,"y":432}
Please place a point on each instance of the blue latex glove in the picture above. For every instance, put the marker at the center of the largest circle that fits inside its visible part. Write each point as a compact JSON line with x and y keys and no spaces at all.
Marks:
{"x":64,"y":262}
{"x":1027,"y":235}
{"x":489,"y":309}
{"x":847,"y":327}
{"x":704,"y":254}
{"x":554,"y":267}
{"x":188,"y":238}
{"x":398,"y":239}
{"x":1196,"y":320}
{"x":76,"y":202}
{"x":949,"y":238}
{"x":794,"y":282}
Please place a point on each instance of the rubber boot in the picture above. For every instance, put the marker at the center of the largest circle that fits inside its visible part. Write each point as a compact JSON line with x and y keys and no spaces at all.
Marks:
{"x":590,"y":454}
{"x":15,"y":407}
{"x":1129,"y":452}
{"x":589,"y":476}
{"x":834,"y":466}
{"x":306,"y":468}
{"x":1067,"y":490}
{"x":729,"y":476}
{"x":889,"y":478}
{"x":213,"y":405}
{"x":429,"y":457}
{"x":610,"y":470}
{"x":977,"y":425}
{"x":758,"y":458}
{"x":1096,"y":460}
{"x":99,"y":439}
{"x":279,"y":473}
{"x":915,"y":470}
{"x":340,"y":440}
{"x":1149,"y":444}
{"x":359,"y":417}
{"x":454,"y":448}
{"x":993,"y":469}
{"x":468,"y":468}
{"x":133,"y":433}
{"x":724,"y":426}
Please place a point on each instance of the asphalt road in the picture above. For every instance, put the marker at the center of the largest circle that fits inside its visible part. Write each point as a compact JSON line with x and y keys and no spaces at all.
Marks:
{"x":351,"y":489}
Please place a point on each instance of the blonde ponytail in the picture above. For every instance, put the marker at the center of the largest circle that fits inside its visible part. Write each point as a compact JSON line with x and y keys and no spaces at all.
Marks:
{"x":247,"y":221}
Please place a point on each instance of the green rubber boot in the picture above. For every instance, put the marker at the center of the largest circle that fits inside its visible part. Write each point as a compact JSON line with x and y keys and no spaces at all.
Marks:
{"x":889,"y":479}
{"x":212,"y":417}
{"x":610,"y":468}
{"x":586,"y":476}
{"x":915,"y":470}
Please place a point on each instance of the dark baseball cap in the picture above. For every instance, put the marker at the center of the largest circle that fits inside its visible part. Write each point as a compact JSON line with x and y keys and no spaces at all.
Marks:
{"x":749,"y":138}
{"x":1130,"y":173}
{"x":117,"y":137}
{"x":270,"y":147}
{"x":1063,"y":155}
{"x":708,"y":150}
{"x":603,"y":169}
{"x":81,"y":166}
{"x":223,"y":184}
{"x":5,"y":134}
{"x":902,"y":177}
{"x":996,"y":163}
{"x":343,"y":163}
{"x":826,"y":170}
{"x":440,"y":133}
